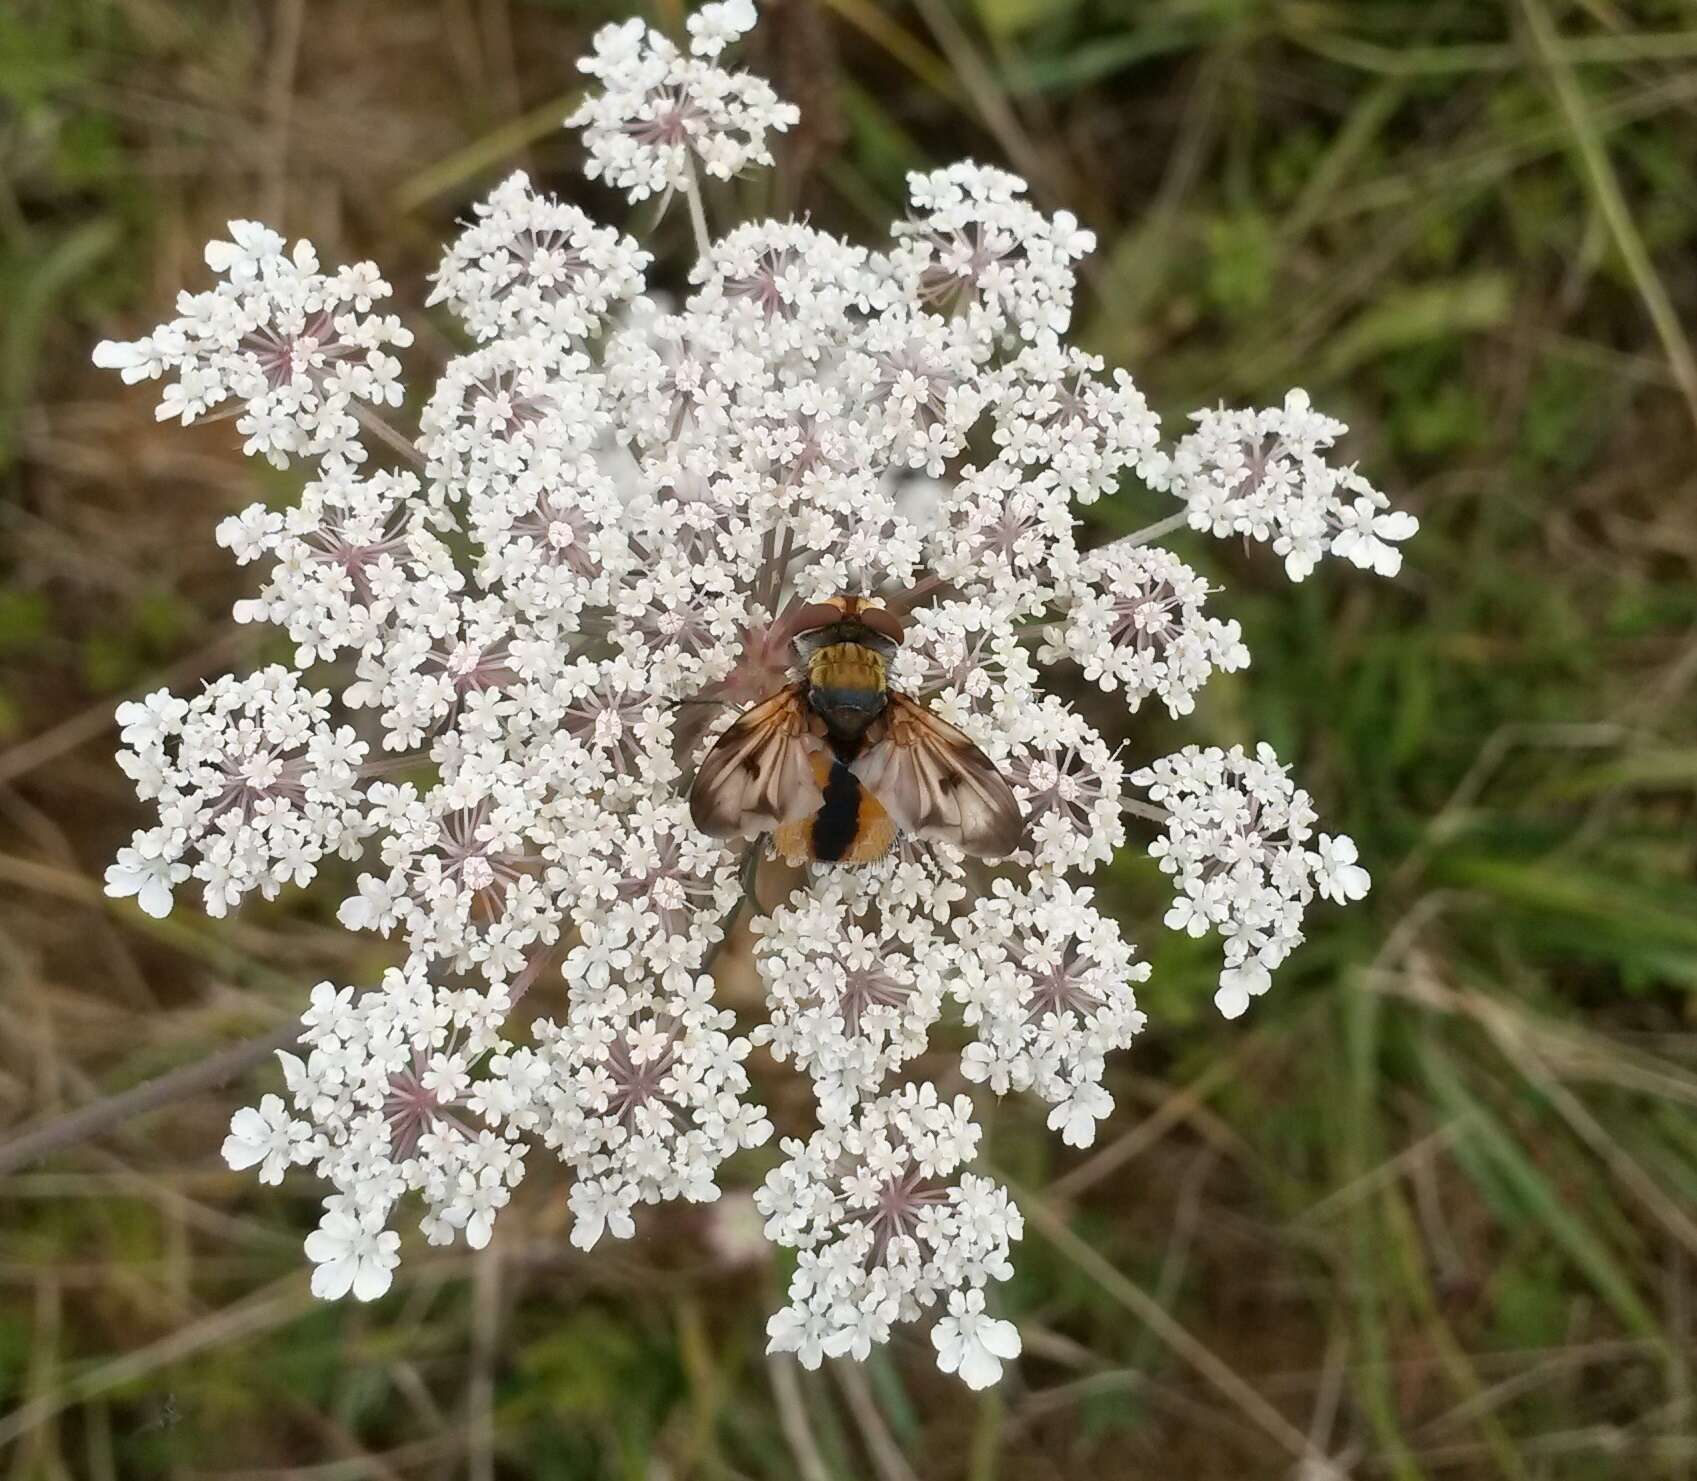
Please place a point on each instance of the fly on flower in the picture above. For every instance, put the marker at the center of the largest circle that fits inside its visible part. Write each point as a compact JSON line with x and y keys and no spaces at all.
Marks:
{"x":838,"y":764}
{"x":618,"y":503}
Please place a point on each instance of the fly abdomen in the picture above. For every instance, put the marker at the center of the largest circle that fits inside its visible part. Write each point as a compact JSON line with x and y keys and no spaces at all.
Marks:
{"x":834,"y":826}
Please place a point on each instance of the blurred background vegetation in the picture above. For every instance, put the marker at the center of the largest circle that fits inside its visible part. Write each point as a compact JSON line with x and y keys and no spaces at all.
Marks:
{"x":1430,"y":1210}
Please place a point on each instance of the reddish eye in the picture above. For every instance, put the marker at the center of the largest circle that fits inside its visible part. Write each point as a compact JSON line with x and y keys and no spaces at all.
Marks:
{"x":883,"y":622}
{"x":814,"y":616}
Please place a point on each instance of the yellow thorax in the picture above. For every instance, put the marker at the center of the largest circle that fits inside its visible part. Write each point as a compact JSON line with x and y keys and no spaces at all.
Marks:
{"x":846,"y":666}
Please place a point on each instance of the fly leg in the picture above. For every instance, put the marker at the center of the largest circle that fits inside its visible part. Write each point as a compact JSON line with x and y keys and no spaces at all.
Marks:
{"x":746,"y":876}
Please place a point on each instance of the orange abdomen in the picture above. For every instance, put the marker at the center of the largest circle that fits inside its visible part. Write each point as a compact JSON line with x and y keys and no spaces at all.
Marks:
{"x":851,"y":826}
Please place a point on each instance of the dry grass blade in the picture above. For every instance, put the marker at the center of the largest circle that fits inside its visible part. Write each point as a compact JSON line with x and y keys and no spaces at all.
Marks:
{"x":1047,"y":174}
{"x":271,"y":1307}
{"x":36,"y":1142}
{"x":1386,"y":1172}
{"x":792,"y":1415}
{"x":1490,"y":56}
{"x":98,"y":719}
{"x":1605,"y":187}
{"x":486,"y":1326}
{"x":412,"y":1458}
{"x":1121,"y":1289}
{"x":886,"y":1455}
{"x":1519,"y":1052}
{"x":901,"y":44}
{"x":1172,"y":1112}
{"x":290,"y":17}
{"x":448,"y":174}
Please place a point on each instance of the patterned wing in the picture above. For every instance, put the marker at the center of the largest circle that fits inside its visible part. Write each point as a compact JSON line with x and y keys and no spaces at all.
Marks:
{"x":936,"y":783}
{"x":760,"y":774}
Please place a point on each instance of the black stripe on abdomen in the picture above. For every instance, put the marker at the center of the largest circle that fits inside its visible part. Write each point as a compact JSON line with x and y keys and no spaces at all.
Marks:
{"x":836,"y":822}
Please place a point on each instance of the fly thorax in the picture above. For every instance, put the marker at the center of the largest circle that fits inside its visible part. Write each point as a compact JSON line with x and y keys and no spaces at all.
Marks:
{"x":846,"y":683}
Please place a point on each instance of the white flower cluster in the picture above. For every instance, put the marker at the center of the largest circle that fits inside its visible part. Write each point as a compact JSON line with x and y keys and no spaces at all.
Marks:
{"x":250,"y":779}
{"x":1235,"y":835}
{"x":345,"y":560}
{"x":885,"y":1226}
{"x":527,"y":261}
{"x":1263,"y":475}
{"x":296,"y":346}
{"x":388,"y":1101}
{"x":1137,"y":624}
{"x":848,"y":1004}
{"x":1043,"y":977}
{"x":975,"y":246}
{"x":525,"y":633}
{"x":658,"y":110}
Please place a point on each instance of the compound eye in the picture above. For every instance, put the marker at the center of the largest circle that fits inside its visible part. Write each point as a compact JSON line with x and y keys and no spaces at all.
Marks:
{"x":883,"y":622}
{"x":814,"y":616}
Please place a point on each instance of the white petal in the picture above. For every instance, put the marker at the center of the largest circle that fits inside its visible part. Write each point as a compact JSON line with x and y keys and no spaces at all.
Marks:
{"x":121,"y":883}
{"x":293,"y":1070}
{"x":1231,"y":1000}
{"x":979,"y":1367}
{"x":373,"y":1278}
{"x":115,"y":354}
{"x":322,"y":1246}
{"x":1001,"y":1337}
{"x":333,"y":1279}
{"x":154,"y":898}
{"x":241,"y":1154}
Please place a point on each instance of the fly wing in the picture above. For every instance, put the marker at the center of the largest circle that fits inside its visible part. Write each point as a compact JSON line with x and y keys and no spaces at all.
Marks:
{"x":759,"y":775}
{"x":936,"y":783}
